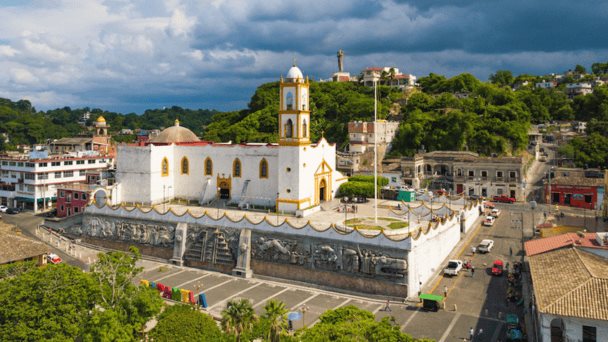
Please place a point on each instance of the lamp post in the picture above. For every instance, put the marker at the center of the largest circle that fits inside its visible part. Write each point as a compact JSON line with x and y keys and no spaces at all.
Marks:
{"x":303,"y":309}
{"x":277,"y":207}
{"x":218,"y":202}
{"x":532,"y":206}
{"x":198,"y":287}
{"x":165,"y":188}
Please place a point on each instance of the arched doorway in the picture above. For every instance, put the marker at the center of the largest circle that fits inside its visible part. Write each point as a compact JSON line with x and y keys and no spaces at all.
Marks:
{"x":322,"y":190}
{"x":224,"y":190}
{"x":557,"y":330}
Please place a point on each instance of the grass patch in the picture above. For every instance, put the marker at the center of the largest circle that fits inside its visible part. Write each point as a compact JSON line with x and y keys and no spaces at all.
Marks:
{"x":384,"y":223}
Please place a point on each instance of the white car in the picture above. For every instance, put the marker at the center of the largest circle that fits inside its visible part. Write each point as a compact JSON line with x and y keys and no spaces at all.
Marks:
{"x":495,"y":212}
{"x":3,"y":208}
{"x":53,"y":258}
{"x":485,"y":246}
{"x":453,"y":267}
{"x":489,"y":221}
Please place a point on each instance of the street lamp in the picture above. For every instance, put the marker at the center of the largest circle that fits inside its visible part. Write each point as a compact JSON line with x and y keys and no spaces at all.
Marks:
{"x":532,"y":206}
{"x":165,"y":188}
{"x":277,"y":207}
{"x":303,"y":309}
{"x":218,"y":202}
{"x":198,"y":287}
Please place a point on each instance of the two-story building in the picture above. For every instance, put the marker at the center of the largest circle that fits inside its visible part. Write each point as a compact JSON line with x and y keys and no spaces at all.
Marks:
{"x":390,"y":76}
{"x":466,"y":173}
{"x":363,"y":135}
{"x":576,"y":187}
{"x":575,"y":89}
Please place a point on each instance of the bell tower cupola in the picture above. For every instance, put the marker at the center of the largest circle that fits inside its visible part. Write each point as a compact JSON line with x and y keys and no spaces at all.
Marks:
{"x":294,"y":111}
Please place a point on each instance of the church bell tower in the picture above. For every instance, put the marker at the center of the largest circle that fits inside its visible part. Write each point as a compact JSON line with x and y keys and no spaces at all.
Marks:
{"x":294,"y":110}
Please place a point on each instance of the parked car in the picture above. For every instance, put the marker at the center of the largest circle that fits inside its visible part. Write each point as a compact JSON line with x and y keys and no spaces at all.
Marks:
{"x":489,"y":205}
{"x":13,"y":211}
{"x":3,"y":208}
{"x":485,"y":246}
{"x":453,"y":267}
{"x":51,"y":213}
{"x":497,"y":267}
{"x":495,"y":212}
{"x":504,"y":199}
{"x":53,"y":258}
{"x":489,"y":221}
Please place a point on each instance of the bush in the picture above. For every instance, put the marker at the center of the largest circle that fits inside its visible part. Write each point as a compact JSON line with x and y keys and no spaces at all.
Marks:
{"x":359,"y":189}
{"x":182,"y":323}
{"x":369,"y":179}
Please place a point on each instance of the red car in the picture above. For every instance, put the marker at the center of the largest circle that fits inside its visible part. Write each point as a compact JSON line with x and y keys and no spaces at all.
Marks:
{"x":497,"y":267}
{"x":53,"y":258}
{"x":504,"y":199}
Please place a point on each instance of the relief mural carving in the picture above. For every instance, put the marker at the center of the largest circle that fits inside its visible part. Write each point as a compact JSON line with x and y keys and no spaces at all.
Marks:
{"x":139,"y":232}
{"x":337,"y":257}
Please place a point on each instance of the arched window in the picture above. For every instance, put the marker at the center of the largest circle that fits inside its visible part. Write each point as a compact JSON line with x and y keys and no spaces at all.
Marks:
{"x":289,"y":129}
{"x":208,"y":167}
{"x":185,"y":166}
{"x":304,"y":129}
{"x":236,"y":168}
{"x":164,"y":167}
{"x":263,"y":169}
{"x":289,"y":101}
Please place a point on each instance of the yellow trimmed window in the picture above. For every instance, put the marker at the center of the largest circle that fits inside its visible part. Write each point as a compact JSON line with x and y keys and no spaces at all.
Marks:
{"x":263,"y":168}
{"x":185,"y":166}
{"x":164,"y":167}
{"x":236,"y":168}
{"x":208,"y":167}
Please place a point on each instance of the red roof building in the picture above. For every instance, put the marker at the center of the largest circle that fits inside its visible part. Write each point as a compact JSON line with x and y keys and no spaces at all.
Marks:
{"x":588,"y":240}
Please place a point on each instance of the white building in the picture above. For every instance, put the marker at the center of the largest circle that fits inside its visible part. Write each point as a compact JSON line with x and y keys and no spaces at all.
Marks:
{"x":31,"y":181}
{"x":362,"y":135}
{"x":575,"y":89}
{"x":387,"y":75}
{"x":546,"y":84}
{"x":294,"y":176}
{"x":571,"y":294}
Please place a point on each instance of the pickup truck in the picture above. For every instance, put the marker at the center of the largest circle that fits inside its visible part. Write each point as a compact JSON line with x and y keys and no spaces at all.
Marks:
{"x":485,"y":246}
{"x":453,"y":267}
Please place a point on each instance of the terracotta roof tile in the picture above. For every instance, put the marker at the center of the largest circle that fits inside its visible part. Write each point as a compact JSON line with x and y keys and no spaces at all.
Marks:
{"x":538,"y":246}
{"x":571,"y":282}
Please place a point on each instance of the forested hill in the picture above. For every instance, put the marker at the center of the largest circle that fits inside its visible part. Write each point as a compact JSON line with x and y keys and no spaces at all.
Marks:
{"x":24,"y":125}
{"x":332,"y":106}
{"x":458,"y":113}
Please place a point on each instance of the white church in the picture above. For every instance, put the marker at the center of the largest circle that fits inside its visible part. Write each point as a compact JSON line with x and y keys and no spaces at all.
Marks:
{"x":293,"y":176}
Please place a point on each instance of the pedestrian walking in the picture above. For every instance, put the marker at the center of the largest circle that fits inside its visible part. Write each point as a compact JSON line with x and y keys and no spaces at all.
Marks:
{"x":445,"y":291}
{"x":471,"y":333}
{"x":472,"y":271}
{"x":511,"y":251}
{"x":387,"y":307}
{"x":479,"y":333}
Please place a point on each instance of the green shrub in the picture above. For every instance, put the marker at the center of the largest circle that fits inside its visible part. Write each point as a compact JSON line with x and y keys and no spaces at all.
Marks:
{"x":369,"y":179}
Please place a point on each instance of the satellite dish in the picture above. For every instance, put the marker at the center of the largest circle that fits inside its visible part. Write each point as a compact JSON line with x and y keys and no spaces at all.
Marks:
{"x":100,"y":198}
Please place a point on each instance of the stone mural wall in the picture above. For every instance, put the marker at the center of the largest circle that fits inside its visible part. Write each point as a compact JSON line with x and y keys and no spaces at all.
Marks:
{"x":327,"y":262}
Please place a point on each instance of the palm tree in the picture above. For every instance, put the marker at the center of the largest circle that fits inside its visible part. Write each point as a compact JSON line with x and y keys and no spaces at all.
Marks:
{"x":276,"y":314}
{"x":238,"y":317}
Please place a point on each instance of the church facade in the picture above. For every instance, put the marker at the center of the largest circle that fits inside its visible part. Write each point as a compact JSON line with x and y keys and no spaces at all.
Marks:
{"x":293,"y":175}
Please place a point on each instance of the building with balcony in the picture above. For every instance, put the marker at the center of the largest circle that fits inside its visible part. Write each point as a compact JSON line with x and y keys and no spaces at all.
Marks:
{"x":30,"y":181}
{"x":390,"y":76}
{"x":362,"y":135}
{"x":575,"y":89}
{"x":466,"y":173}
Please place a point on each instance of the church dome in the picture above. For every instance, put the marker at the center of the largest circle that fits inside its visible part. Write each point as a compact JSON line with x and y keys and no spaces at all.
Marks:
{"x":175,"y":134}
{"x":294,"y":73}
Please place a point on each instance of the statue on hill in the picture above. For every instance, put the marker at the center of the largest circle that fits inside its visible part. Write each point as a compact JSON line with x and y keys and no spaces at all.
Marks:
{"x":340,"y":60}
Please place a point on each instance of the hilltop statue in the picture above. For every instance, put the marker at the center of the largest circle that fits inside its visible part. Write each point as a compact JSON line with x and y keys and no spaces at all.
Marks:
{"x":340,"y":60}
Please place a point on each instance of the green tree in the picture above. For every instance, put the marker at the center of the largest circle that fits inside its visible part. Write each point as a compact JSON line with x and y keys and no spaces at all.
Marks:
{"x":181,"y":323}
{"x":49,"y":303}
{"x":350,"y":323}
{"x":238,"y":317}
{"x":276,"y":314}
{"x":579,"y":69}
{"x":502,"y":78}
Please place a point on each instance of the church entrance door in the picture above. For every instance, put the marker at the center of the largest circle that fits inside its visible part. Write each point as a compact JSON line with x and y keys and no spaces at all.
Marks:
{"x":224,"y":190}
{"x":322,"y":189}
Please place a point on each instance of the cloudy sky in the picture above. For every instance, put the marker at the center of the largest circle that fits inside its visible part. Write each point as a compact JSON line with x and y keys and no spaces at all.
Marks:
{"x":130,"y":55}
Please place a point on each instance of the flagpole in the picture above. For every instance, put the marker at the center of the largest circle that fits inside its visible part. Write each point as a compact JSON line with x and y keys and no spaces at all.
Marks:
{"x":375,"y":153}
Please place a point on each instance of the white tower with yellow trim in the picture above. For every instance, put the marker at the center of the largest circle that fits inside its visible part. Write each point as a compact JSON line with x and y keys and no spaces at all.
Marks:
{"x":294,"y":143}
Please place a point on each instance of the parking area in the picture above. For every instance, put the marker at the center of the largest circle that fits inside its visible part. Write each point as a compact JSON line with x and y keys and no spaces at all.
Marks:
{"x":476,"y":301}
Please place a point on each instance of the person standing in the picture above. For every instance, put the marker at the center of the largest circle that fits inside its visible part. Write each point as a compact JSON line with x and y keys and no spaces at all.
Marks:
{"x":472,"y":270}
{"x":511,"y":251}
{"x":387,"y":307}
{"x":471,"y":333}
{"x":479,"y":333}
{"x":445,"y":291}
